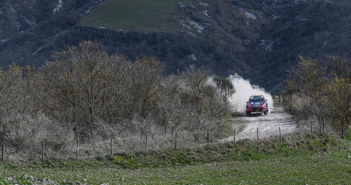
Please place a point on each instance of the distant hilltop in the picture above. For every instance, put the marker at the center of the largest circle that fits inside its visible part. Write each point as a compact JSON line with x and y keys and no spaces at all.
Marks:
{"x":258,"y":39}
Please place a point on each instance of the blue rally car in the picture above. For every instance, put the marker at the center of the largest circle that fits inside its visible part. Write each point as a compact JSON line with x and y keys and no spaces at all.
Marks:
{"x":257,"y":104}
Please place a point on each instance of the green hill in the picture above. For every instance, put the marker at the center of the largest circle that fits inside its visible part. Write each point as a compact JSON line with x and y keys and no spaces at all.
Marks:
{"x":259,"y":39}
{"x":141,"y":15}
{"x":207,"y":19}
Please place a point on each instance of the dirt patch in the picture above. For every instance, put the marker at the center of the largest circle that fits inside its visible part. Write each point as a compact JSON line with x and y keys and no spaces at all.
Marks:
{"x":278,"y":121}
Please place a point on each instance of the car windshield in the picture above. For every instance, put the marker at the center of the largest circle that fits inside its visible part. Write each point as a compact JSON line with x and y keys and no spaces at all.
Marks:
{"x":256,"y":100}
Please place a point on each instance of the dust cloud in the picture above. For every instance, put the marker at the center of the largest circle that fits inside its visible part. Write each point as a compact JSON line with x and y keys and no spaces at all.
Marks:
{"x":243,"y":90}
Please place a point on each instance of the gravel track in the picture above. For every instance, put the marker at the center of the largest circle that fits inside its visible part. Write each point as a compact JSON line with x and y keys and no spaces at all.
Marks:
{"x":268,"y":125}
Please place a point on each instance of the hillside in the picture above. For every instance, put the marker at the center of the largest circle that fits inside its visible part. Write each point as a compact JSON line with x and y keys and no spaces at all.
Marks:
{"x":259,"y":39}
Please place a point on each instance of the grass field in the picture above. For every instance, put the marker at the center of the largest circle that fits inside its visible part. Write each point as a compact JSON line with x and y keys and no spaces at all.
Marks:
{"x":297,"y":160}
{"x":135,"y":15}
{"x":331,"y":168}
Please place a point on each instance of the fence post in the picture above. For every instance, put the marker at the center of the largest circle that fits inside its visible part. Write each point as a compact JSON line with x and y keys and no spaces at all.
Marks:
{"x":321,"y":126}
{"x":2,"y":152}
{"x":93,"y":145}
{"x":342,"y":131}
{"x":257,"y":133}
{"x":77,"y":149}
{"x":42,"y":150}
{"x":175,"y":140}
{"x":111,"y":148}
{"x":234,"y":135}
{"x":146,"y":142}
{"x":280,"y":134}
{"x":208,"y":138}
{"x":323,"y":123}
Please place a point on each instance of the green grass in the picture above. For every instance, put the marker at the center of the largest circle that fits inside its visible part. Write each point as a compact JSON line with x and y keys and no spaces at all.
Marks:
{"x":321,"y":169}
{"x":165,"y":16}
{"x":137,"y":14}
{"x":297,"y":160}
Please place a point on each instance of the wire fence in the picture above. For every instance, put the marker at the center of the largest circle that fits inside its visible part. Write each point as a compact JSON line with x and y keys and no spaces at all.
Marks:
{"x":24,"y":146}
{"x":79,"y":149}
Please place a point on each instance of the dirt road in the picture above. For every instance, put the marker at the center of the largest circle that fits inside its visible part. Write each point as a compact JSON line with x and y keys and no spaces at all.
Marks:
{"x":246,"y":127}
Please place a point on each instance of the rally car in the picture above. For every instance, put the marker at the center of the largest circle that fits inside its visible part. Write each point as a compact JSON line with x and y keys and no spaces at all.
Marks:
{"x":257,"y":104}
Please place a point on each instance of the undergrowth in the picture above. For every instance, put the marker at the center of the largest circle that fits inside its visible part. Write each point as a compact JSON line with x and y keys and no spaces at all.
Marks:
{"x":296,"y":148}
{"x":245,"y":150}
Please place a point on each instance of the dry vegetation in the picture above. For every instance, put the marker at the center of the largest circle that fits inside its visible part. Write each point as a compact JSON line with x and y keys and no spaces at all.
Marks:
{"x":321,"y":92}
{"x":87,"y":95}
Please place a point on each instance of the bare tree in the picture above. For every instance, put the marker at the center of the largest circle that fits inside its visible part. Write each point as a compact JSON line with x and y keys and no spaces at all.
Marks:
{"x":340,"y":93}
{"x":59,"y":82}
{"x":196,"y":79}
{"x":10,"y":95}
{"x":308,"y":82}
{"x":144,"y":81}
{"x":81,"y":80}
{"x":341,"y":67}
{"x":340,"y":101}
{"x":224,"y":86}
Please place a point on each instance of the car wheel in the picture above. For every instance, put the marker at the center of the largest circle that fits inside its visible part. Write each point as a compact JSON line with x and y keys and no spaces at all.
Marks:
{"x":265,"y":112}
{"x":248,"y":113}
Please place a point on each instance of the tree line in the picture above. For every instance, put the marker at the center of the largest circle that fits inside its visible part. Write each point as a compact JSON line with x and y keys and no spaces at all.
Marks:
{"x":84,"y":92}
{"x":322,"y":91}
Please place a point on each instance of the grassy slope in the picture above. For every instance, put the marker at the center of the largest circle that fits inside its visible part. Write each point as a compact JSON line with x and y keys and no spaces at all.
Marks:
{"x":165,"y":16}
{"x":302,"y":160}
{"x":137,"y":14}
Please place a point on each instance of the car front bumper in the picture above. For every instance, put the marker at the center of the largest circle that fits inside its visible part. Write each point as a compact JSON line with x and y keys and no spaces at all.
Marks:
{"x":256,"y":109}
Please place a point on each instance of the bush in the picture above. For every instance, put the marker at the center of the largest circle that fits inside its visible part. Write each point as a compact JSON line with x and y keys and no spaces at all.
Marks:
{"x":25,"y":133}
